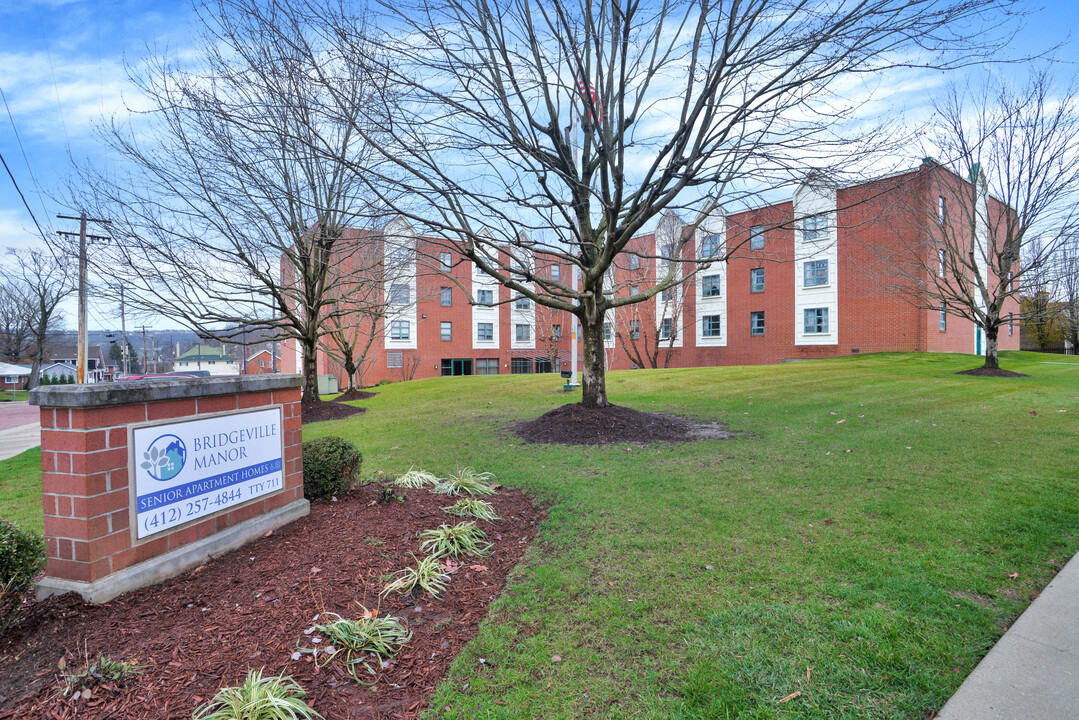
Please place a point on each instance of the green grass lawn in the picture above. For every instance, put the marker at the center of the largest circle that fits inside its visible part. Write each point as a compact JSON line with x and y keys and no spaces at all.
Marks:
{"x":861,"y":529}
{"x":20,"y":490}
{"x":17,"y":395}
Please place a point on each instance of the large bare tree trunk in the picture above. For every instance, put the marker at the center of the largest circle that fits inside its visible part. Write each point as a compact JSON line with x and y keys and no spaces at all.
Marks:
{"x":992,"y":361}
{"x":593,"y":379}
{"x":310,"y":373}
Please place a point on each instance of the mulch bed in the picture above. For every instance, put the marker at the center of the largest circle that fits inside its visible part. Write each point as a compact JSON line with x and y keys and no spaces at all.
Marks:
{"x":992,"y":372}
{"x":575,"y":424}
{"x":248,"y":609}
{"x":354,"y":394}
{"x":319,"y":411}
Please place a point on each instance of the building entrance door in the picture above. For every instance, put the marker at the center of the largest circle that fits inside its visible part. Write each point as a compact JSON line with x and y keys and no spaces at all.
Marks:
{"x":456,"y":366}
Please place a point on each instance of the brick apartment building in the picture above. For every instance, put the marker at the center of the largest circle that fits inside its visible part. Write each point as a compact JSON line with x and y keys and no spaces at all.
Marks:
{"x":808,"y":279}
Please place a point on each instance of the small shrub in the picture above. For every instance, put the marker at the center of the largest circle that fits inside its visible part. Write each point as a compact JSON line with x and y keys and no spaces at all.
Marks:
{"x":416,"y":479}
{"x":330,"y":466}
{"x":465,"y":480}
{"x":102,"y":670}
{"x":428,"y":575}
{"x":470,"y":507}
{"x":354,"y":639}
{"x":22,"y":557}
{"x":387,"y":494}
{"x":259,"y":698}
{"x":464,"y":538}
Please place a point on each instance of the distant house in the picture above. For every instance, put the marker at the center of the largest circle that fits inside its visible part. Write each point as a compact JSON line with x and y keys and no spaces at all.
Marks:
{"x":263,"y":361}
{"x":58,"y":371}
{"x":13,"y":377}
{"x":97,"y":370}
{"x":207,"y":357}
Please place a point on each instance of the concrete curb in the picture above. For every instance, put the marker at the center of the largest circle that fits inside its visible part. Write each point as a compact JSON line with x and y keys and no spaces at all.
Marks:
{"x":1033,"y":671}
{"x":177,"y":561}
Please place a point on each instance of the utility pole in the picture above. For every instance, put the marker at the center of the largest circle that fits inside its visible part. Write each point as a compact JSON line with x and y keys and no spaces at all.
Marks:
{"x":80,"y":365}
{"x":123,"y":330}
{"x":145,"y":367}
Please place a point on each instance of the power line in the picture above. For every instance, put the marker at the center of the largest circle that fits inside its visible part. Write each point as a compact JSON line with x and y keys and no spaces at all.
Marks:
{"x":26,"y":159}
{"x":25,"y":204}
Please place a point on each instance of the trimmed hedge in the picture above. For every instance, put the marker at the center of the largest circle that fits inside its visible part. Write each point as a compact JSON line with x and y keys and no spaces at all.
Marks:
{"x":22,"y":557}
{"x":331,"y":466}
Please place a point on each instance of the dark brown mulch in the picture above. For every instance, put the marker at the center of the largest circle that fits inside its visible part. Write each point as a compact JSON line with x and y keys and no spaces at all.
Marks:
{"x":575,"y":424}
{"x":248,"y":609}
{"x":319,"y":411}
{"x":354,"y":394}
{"x":991,"y":372}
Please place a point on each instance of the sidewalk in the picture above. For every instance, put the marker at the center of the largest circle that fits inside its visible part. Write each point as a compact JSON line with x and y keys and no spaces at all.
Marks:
{"x":1033,"y":671}
{"x":18,"y":440}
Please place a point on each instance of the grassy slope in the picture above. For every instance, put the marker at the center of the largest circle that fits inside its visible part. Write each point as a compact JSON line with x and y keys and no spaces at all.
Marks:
{"x":20,"y":489}
{"x":889,"y":606}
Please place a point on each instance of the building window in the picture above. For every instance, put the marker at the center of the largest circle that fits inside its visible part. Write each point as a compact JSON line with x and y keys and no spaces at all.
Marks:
{"x":486,"y":366}
{"x":521,"y":303}
{"x":444,"y":262}
{"x":523,"y":333}
{"x":666,"y":329}
{"x":634,"y":262}
{"x":520,"y":366}
{"x":485,"y":332}
{"x":543,"y":365}
{"x":816,"y":320}
{"x":941,"y":210}
{"x":607,"y":332}
{"x":815,"y":273}
{"x":756,"y":237}
{"x":634,"y":329}
{"x":815,"y":228}
{"x":634,"y":289}
{"x":756,"y":323}
{"x":710,"y":326}
{"x":666,"y":261}
{"x":756,"y":280}
{"x":710,"y":286}
{"x":940,"y":260}
{"x":262,"y":363}
{"x":710,"y":245}
{"x":556,"y":273}
{"x":485,"y":297}
{"x":445,"y":296}
{"x":400,"y":330}
{"x":1011,"y":325}
{"x":446,"y":330}
{"x":666,"y":294}
{"x":943,"y":319}
{"x":1011,"y":281}
{"x":395,"y":359}
{"x":556,"y":331}
{"x":399,"y":294}
{"x":479,"y":270}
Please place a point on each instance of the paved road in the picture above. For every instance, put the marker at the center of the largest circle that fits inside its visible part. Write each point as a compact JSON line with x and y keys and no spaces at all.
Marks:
{"x":20,"y":429}
{"x":16,"y":414}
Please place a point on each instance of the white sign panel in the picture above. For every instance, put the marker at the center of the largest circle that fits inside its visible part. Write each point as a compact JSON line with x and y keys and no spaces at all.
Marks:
{"x":187,"y":470}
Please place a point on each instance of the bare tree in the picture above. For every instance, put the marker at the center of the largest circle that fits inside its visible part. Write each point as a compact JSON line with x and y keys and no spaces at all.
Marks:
{"x":234,"y":200}
{"x":14,"y":325}
{"x":45,"y":282}
{"x":1005,"y":199}
{"x":1041,"y":314}
{"x":678,"y":105}
{"x":1066,"y":267}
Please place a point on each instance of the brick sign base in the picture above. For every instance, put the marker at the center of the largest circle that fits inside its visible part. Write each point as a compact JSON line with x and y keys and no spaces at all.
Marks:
{"x":85,"y":480}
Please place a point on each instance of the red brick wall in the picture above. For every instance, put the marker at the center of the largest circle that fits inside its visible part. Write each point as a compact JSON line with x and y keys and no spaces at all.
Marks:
{"x":86,"y":496}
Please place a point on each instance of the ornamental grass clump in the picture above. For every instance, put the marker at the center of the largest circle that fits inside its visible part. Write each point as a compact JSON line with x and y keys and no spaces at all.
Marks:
{"x":464,"y":538}
{"x":470,"y":507}
{"x":258,"y":698}
{"x":354,"y":639}
{"x":465,"y":480}
{"x":416,"y":479}
{"x":428,"y":575}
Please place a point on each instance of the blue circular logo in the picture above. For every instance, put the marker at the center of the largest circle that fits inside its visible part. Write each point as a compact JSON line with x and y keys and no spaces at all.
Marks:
{"x":165,"y":458}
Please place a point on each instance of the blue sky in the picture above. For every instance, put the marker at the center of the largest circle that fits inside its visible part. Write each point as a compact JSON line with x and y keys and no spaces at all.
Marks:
{"x":62,"y":70}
